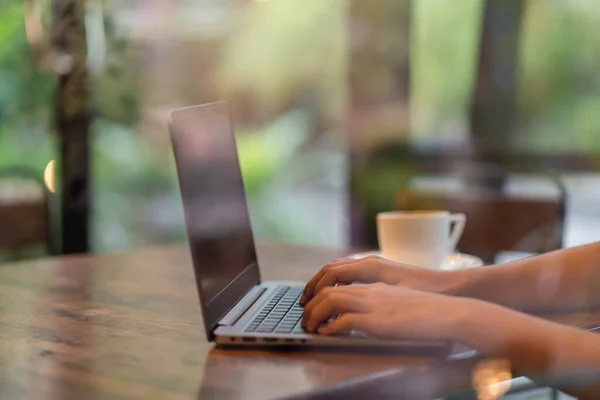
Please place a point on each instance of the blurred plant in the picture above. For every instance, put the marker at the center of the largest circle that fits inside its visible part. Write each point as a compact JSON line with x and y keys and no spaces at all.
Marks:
{"x":25,"y":94}
{"x":266,"y":157}
{"x":115,"y":77}
{"x":443,"y":60}
{"x":559,"y":84}
{"x":284,"y":52}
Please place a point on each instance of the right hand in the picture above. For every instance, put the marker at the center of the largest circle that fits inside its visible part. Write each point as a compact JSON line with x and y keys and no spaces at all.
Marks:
{"x":388,"y":312}
{"x":377,"y":269}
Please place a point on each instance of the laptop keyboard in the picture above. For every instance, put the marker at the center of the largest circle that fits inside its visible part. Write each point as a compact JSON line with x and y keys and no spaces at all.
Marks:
{"x":281,"y":314}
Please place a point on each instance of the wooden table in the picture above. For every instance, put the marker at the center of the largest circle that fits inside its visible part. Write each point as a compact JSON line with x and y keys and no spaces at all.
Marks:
{"x":129,"y":327}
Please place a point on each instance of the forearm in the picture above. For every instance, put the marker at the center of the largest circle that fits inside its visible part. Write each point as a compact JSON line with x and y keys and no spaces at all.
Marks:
{"x":544,"y":351}
{"x":562,"y":280}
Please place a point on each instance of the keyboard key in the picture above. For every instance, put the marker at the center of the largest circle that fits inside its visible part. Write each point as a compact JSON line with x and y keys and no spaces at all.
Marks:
{"x":288,"y":327}
{"x":281,"y":314}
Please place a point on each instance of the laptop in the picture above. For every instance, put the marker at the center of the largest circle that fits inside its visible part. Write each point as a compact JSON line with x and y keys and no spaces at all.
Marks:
{"x":238,"y":308}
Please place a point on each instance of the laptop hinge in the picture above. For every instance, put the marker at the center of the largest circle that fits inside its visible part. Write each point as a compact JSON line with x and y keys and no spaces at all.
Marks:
{"x":242,"y":306}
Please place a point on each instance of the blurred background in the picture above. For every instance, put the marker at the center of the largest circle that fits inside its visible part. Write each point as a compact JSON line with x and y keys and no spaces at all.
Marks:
{"x":340,"y":107}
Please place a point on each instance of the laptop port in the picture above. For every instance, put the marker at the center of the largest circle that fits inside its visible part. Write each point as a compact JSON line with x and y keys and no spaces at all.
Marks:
{"x":290,"y":340}
{"x":270,"y":339}
{"x":249,"y":339}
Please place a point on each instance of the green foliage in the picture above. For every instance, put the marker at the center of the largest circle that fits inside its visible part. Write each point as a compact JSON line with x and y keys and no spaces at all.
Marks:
{"x":116,"y":89}
{"x":445,"y":39}
{"x":25,"y":90}
{"x":264,"y":153}
{"x":559,"y":83}
{"x":286,"y":48}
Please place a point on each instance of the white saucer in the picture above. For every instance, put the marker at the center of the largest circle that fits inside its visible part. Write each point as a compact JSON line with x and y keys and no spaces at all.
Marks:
{"x":453,"y":261}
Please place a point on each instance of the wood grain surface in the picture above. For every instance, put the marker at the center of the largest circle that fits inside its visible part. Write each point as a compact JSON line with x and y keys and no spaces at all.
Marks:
{"x":129,"y":327}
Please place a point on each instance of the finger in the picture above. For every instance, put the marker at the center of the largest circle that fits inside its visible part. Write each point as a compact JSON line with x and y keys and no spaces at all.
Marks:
{"x":344,"y":323}
{"x":347,"y":274}
{"x":310,"y":286}
{"x":330,"y":306}
{"x":315,"y":301}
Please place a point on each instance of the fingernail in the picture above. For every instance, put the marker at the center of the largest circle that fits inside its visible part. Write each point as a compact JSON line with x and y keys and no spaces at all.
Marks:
{"x":301,"y":301}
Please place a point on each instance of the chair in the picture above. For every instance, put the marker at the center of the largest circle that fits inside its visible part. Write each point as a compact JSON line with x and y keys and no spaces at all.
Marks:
{"x":24,"y":212}
{"x":497,"y":221}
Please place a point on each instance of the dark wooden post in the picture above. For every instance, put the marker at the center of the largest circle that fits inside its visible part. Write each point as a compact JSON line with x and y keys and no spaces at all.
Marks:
{"x":492,"y":113}
{"x":72,"y":119}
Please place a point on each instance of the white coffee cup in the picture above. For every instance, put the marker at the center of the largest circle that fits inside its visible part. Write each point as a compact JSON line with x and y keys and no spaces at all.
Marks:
{"x":420,"y":238}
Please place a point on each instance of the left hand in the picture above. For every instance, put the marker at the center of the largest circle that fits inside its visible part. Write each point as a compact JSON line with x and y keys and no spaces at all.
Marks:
{"x":385,"y":311}
{"x":375,"y":269}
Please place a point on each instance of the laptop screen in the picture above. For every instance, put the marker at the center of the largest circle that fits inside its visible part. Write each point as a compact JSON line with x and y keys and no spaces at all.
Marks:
{"x":215,"y":209}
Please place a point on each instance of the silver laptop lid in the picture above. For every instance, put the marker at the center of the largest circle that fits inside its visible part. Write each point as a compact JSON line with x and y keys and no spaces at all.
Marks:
{"x":215,"y":209}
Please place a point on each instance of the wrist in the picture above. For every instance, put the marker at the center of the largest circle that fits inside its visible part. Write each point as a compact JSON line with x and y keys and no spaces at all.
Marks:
{"x":496,"y":331}
{"x":466,"y":319}
{"x":455,"y":283}
{"x":477,"y":283}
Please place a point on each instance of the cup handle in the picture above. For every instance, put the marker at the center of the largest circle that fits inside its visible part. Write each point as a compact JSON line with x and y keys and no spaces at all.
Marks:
{"x":459,"y":221}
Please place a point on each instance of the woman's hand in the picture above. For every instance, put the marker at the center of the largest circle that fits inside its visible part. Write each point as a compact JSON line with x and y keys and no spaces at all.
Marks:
{"x":376,"y":269}
{"x":385,"y":311}
{"x":534,"y":347}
